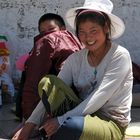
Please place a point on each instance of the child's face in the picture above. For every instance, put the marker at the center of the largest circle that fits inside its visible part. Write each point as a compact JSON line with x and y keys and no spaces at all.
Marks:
{"x":92,"y":35}
{"x":48,"y":25}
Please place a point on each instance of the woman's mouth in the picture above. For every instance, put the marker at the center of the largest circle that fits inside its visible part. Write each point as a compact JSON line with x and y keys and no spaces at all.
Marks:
{"x":90,"y":42}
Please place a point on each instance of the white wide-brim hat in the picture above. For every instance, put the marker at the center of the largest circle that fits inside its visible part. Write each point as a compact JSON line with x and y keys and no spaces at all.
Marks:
{"x":106,"y":6}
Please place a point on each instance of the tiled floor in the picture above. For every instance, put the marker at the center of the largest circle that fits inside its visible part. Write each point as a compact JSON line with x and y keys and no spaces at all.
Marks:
{"x":8,"y":123}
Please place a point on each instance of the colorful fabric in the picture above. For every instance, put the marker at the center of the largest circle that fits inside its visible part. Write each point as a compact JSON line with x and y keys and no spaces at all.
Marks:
{"x":4,"y":64}
{"x":2,"y":37}
{"x":7,"y":81}
{"x":3,"y":47}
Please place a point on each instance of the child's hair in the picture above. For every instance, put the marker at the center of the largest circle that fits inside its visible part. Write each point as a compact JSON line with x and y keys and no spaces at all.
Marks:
{"x":100,"y":18}
{"x":51,"y":16}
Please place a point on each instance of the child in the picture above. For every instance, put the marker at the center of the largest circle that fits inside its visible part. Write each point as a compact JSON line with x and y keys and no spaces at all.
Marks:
{"x":51,"y":47}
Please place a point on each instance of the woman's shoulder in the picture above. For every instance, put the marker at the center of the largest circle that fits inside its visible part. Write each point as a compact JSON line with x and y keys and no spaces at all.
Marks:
{"x":119,"y":49}
{"x":79,"y":54}
{"x":77,"y":58}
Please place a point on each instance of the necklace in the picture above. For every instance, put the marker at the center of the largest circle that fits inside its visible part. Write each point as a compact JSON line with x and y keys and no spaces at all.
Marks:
{"x":97,"y":60}
{"x":95,"y":70}
{"x":97,"y":57}
{"x":94,"y":82}
{"x":95,"y":64}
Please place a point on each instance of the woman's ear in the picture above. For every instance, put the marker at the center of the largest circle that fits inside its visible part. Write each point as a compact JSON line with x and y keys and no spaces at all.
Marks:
{"x":106,"y":29}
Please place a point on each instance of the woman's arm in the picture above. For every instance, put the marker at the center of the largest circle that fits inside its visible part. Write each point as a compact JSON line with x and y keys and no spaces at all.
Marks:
{"x":37,"y":115}
{"x":116,"y":72}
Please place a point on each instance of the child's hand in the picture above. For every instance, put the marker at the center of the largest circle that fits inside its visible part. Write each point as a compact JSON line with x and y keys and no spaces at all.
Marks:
{"x":17,"y":135}
{"x":24,"y":132}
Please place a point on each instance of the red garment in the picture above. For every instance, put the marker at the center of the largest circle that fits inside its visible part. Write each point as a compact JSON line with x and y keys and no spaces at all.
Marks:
{"x":47,"y":56}
{"x":136,"y":73}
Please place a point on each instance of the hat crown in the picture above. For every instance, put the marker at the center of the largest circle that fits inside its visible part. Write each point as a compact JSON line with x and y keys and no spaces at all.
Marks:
{"x":106,"y":6}
{"x":101,"y":5}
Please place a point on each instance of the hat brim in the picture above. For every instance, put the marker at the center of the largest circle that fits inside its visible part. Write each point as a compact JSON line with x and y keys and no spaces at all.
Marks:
{"x":117,"y":28}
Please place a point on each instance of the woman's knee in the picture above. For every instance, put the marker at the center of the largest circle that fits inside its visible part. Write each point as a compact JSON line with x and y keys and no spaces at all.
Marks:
{"x":74,"y":124}
{"x":71,"y":129}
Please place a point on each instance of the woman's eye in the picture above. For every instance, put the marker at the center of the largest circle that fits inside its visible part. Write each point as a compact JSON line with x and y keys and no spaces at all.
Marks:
{"x":93,"y":31}
{"x":81,"y":33}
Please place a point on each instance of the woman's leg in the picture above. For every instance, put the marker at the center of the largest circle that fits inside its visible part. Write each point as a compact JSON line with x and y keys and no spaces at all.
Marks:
{"x":97,"y":128}
{"x":59,"y":98}
{"x":70,"y":130}
{"x":56,"y":96}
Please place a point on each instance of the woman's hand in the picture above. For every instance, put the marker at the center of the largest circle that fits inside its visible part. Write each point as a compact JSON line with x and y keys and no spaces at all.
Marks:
{"x":51,"y":126}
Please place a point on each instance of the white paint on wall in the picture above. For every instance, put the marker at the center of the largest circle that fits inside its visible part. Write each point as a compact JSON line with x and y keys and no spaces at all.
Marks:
{"x":19,"y":20}
{"x":129,"y":11}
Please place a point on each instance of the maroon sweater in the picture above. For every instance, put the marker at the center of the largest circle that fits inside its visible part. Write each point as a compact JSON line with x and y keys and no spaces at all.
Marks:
{"x":47,"y":57}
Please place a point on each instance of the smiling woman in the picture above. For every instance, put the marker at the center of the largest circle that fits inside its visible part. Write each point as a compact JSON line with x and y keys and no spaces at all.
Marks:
{"x":94,"y":31}
{"x":101,"y":73}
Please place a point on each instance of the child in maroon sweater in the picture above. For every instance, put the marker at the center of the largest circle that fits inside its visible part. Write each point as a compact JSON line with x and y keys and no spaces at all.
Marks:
{"x":51,"y":47}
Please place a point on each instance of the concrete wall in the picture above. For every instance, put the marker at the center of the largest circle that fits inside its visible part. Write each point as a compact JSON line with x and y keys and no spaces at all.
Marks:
{"x":19,"y":19}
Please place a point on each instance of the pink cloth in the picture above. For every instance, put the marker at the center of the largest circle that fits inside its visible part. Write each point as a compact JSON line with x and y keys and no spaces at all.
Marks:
{"x":21,"y":61}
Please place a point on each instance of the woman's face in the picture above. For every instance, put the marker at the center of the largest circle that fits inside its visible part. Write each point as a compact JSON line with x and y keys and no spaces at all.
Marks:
{"x":92,"y":35}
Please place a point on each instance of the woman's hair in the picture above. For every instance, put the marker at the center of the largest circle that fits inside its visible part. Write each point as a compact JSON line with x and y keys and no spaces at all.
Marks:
{"x":100,"y":18}
{"x":51,"y":16}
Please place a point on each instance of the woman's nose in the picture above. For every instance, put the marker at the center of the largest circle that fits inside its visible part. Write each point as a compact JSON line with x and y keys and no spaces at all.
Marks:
{"x":88,"y":37}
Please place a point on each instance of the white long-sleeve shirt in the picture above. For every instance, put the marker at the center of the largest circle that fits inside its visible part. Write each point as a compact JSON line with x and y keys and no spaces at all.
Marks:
{"x":111,"y":96}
